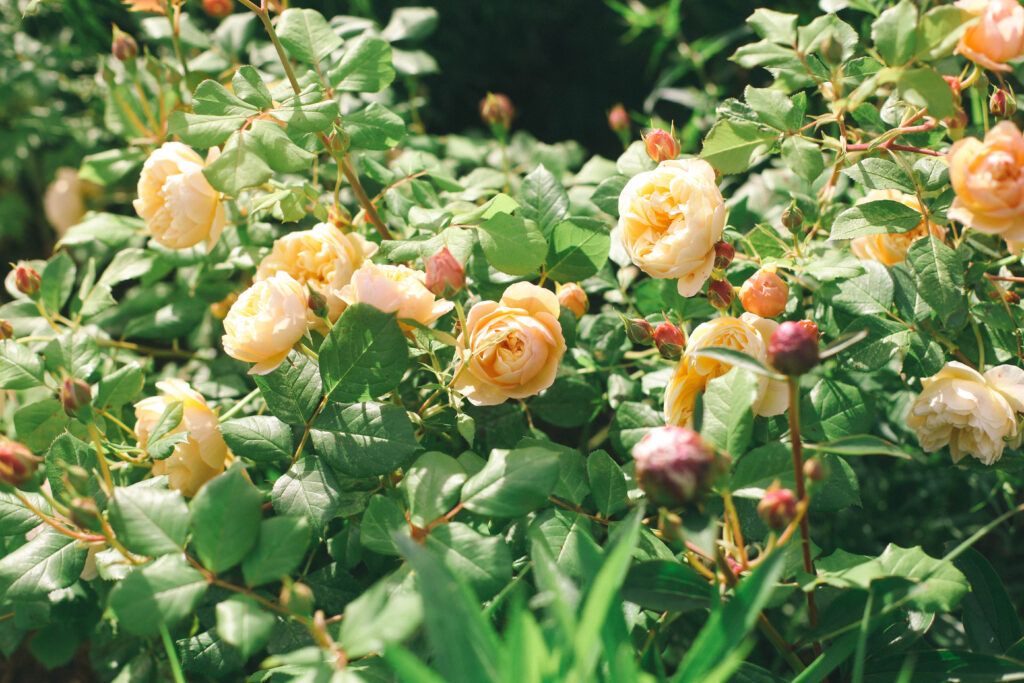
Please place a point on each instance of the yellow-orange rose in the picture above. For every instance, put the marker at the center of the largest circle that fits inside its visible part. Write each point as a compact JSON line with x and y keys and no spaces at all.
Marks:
{"x":997,"y":38}
{"x":749,"y":334}
{"x":176,"y":201}
{"x":670,"y":219}
{"x":395,"y":289}
{"x":973,"y":414}
{"x":196,"y":460}
{"x":510,"y":348}
{"x":891,"y":248}
{"x":265,"y":322}
{"x":572,"y":296}
{"x":323,"y":257}
{"x":989,"y":183}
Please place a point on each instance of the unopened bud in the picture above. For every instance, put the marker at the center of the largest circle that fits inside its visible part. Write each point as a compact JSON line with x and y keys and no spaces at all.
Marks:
{"x":17,"y":464}
{"x":814,"y":470}
{"x":765,"y":293}
{"x":220,"y":309}
{"x":297,"y":598}
{"x":75,"y":397}
{"x":123,"y":46}
{"x":496,"y":110}
{"x":792,"y":218}
{"x":832,"y":50}
{"x":26,"y":279}
{"x":724,"y":254}
{"x":720,"y":294}
{"x":674,"y":466}
{"x":661,"y":145}
{"x":1008,"y":296}
{"x":777,"y":507}
{"x":6,"y":329}
{"x":218,"y":9}
{"x":810,"y":328}
{"x":316,"y":302}
{"x":1002,"y":105}
{"x":669,"y":340}
{"x":85,"y":514}
{"x":638,"y":330}
{"x":618,"y":119}
{"x":445,"y":275}
{"x":792,"y":349}
{"x":572,"y":296}
{"x":956,"y":123}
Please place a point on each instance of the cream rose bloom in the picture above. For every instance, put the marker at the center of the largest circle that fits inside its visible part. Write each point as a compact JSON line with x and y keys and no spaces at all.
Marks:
{"x":64,"y":200}
{"x":973,"y":414}
{"x":510,"y":348}
{"x":323,"y":258}
{"x":176,"y":201}
{"x":989,"y":183}
{"x":395,"y":289}
{"x":670,"y":219}
{"x":997,"y":38}
{"x":749,"y":334}
{"x":891,"y":248}
{"x":197,"y":460}
{"x":266,"y":322}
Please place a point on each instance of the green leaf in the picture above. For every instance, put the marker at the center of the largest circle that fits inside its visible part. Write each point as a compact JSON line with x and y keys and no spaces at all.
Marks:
{"x":306,"y":35}
{"x":513,"y":245}
{"x":57,"y":280}
{"x":410,"y":23}
{"x":76,"y":353}
{"x":431,"y":486}
{"x":513,"y":482}
{"x":944,"y":665}
{"x":989,"y":618}
{"x":864,"y":444}
{"x":239,"y":165}
{"x":728,"y":421}
{"x":836,"y":410}
{"x":364,"y":439}
{"x":387,"y":612}
{"x":19,"y":367}
{"x":148,"y":520}
{"x":732,"y":146}
{"x":868,"y":294}
{"x":631,"y":422}
{"x":225,"y":519}
{"x":162,"y":592}
{"x":568,"y":537}
{"x":203,"y":130}
{"x":374,"y":127}
{"x":873,"y":218}
{"x":248,"y":85}
{"x":39,"y":423}
{"x":894,"y":33}
{"x":606,"y":195}
{"x":759,"y":468}
{"x":15,"y":518}
{"x":242,"y":622}
{"x":67,"y":450}
{"x":803,"y":157}
{"x":774,"y":108}
{"x":48,"y":562}
{"x":262,"y":438}
{"x":308,"y":112}
{"x":880,"y":174}
{"x":281,"y":546}
{"x":308,"y":489}
{"x":543,"y":199}
{"x":667,"y":586}
{"x":579,"y":249}
{"x":108,"y":167}
{"x":607,"y":483}
{"x":939,"y":274}
{"x":738,"y":359}
{"x":775,"y":26}
{"x":213,"y":99}
{"x":278,"y":150}
{"x":484,"y":562}
{"x":365,"y":66}
{"x":382,"y":522}
{"x":364,"y":355}
{"x":119,"y":387}
{"x":925,"y":87}
{"x":939,"y":31}
{"x":293,"y":390}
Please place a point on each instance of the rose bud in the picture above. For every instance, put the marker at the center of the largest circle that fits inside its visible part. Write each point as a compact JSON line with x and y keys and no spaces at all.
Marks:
{"x":638,"y":330}
{"x":669,"y":340}
{"x":17,"y":464}
{"x":618,"y":119}
{"x":811,"y":328}
{"x":572,"y":296}
{"x":445,"y":275}
{"x":814,"y":470}
{"x":123,"y":46}
{"x":765,"y":293}
{"x":660,"y":144}
{"x":1002,"y":105}
{"x":720,"y":294}
{"x":316,"y":302}
{"x":956,"y":123}
{"x":6,"y":329}
{"x":1008,"y":296}
{"x":26,"y":279}
{"x":674,"y":466}
{"x":792,"y":349}
{"x":777,"y":508}
{"x":724,"y":254}
{"x":218,"y":9}
{"x":75,"y":396}
{"x":496,"y":110}
{"x":220,"y":309}
{"x":792,"y":218}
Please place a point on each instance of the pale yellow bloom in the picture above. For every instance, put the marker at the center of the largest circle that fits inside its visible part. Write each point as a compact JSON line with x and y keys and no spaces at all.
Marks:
{"x":997,"y":38}
{"x":395,"y":289}
{"x":266,"y":322}
{"x":891,"y":248}
{"x":64,"y":200}
{"x":989,"y":183}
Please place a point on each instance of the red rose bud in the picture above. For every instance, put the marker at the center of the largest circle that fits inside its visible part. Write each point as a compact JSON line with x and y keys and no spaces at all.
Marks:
{"x":445,"y":275}
{"x":218,"y":9}
{"x":814,"y":470}
{"x":954,"y":85}
{"x":660,"y":144}
{"x":777,"y":508}
{"x":26,"y":279}
{"x":638,"y":330}
{"x":956,"y":123}
{"x":17,"y":464}
{"x":572,"y":296}
{"x":6,"y":330}
{"x":793,"y":349}
{"x":792,"y":218}
{"x":720,"y":294}
{"x":316,"y":302}
{"x":75,"y":396}
{"x":669,"y":340}
{"x":674,"y":466}
{"x":724,"y":254}
{"x":497,"y":110}
{"x":765,"y":293}
{"x":811,"y":329}
{"x":1002,"y":105}
{"x":618,"y":119}
{"x":123,"y":46}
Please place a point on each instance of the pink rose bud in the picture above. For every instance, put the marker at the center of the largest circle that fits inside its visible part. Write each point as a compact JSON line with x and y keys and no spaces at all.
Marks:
{"x":669,"y":340}
{"x":1002,"y":105}
{"x":316,"y":302}
{"x":792,"y":218}
{"x":724,"y":254}
{"x":572,"y":296}
{"x":496,"y":110}
{"x":811,"y":328}
{"x":638,"y":330}
{"x":123,"y":46}
{"x":814,"y":470}
{"x":660,"y":144}
{"x":218,"y":9}
{"x":674,"y":466}
{"x":75,"y":395}
{"x":765,"y":293}
{"x":6,"y":329}
{"x":793,"y":349}
{"x":618,"y":119}
{"x":26,"y":279}
{"x":17,"y":464}
{"x":445,"y":275}
{"x":777,"y":508}
{"x":720,"y":294}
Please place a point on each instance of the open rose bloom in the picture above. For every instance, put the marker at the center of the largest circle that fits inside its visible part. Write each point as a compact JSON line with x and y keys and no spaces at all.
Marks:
{"x":395,"y":289}
{"x":510,"y":348}
{"x":670,"y":219}
{"x":988,"y":178}
{"x":749,"y":334}
{"x":892,"y":248}
{"x":266,"y":322}
{"x":997,"y":38}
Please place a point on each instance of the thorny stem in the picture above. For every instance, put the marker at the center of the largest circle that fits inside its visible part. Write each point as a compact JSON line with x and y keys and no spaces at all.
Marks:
{"x":97,"y":440}
{"x":898,"y":148}
{"x":364,"y":200}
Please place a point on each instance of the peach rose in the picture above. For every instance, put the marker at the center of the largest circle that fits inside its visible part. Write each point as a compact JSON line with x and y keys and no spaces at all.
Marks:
{"x":176,"y":201}
{"x":510,"y":348}
{"x":395,"y":289}
{"x":266,"y":322}
{"x":323,"y":258}
{"x":973,"y":414}
{"x":997,"y":38}
{"x":196,"y":460}
{"x":572,"y":296}
{"x":891,"y":248}
{"x":989,"y":184}
{"x":670,"y":219}
{"x":749,"y":334}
